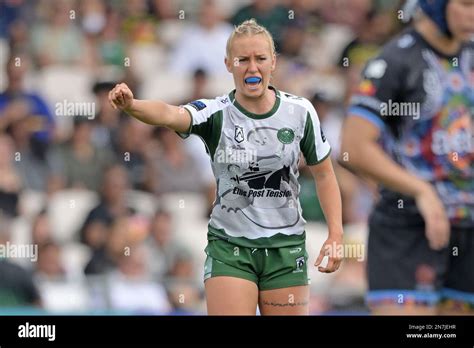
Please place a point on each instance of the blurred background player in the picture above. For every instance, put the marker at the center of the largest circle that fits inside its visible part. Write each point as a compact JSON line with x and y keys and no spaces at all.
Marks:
{"x":410,"y":129}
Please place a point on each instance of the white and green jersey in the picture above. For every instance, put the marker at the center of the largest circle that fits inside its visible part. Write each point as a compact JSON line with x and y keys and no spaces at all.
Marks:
{"x":255,"y":161}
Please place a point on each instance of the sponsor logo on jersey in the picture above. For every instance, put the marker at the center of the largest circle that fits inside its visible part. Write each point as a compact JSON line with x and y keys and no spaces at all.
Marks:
{"x":259,"y":179}
{"x":198,"y":105}
{"x":295,"y":250}
{"x":323,"y":137}
{"x":239,"y":134}
{"x":286,"y":135}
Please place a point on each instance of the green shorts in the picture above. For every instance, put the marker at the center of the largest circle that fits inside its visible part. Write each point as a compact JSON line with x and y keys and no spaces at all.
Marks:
{"x":270,"y":268}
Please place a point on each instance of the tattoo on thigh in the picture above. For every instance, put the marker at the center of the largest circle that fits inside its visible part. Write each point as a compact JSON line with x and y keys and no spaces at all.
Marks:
{"x":285,"y":304}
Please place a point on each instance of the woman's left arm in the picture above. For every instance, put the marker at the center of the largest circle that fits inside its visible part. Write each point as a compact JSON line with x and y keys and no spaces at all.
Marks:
{"x":330,"y":200}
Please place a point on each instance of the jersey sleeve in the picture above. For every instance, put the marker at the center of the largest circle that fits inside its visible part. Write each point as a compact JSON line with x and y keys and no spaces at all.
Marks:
{"x":380,"y":85}
{"x":206,"y":121}
{"x":314,"y":145}
{"x":200,"y":113}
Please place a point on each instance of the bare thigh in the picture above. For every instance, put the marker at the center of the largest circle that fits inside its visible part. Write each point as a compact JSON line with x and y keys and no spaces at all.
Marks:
{"x":285,"y":301}
{"x":231,"y":296}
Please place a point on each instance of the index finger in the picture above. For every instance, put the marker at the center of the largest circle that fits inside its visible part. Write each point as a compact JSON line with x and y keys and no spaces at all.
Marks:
{"x":111,"y":99}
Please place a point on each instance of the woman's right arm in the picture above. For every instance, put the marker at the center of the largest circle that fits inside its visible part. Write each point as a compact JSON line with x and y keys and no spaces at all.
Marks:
{"x":153,"y":112}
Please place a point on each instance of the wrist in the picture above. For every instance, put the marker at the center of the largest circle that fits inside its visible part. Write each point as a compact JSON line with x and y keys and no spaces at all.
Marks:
{"x":422,"y":188}
{"x":335,"y":231}
{"x":130,"y":108}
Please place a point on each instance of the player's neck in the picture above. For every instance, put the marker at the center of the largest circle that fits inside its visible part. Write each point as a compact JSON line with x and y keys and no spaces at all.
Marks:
{"x":260,"y":105}
{"x":442,"y":43}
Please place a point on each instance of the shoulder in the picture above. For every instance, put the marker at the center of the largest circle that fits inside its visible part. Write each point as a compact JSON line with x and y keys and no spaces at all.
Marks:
{"x":210,"y":105}
{"x":202,"y":110}
{"x":397,"y":52}
{"x":300,"y":103}
{"x":288,"y":98}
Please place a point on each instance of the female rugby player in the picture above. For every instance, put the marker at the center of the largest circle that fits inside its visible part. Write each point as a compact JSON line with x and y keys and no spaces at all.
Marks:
{"x":256,"y":254}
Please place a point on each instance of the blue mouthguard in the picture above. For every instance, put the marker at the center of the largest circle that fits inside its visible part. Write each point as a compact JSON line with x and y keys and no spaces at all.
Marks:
{"x":253,"y":80}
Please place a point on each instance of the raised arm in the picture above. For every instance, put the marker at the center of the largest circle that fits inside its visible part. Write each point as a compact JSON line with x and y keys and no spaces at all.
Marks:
{"x":153,"y":112}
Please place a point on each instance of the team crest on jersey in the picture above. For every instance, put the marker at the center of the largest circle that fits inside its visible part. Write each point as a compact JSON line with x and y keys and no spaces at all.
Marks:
{"x":299,"y":264}
{"x":286,"y":135}
{"x":239,"y":134}
{"x":198,"y":105}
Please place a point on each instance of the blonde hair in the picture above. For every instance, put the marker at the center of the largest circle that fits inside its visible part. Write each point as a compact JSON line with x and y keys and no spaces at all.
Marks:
{"x":249,"y":27}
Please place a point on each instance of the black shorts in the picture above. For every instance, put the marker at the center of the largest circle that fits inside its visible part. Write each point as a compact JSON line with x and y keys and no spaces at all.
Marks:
{"x":403,"y":270}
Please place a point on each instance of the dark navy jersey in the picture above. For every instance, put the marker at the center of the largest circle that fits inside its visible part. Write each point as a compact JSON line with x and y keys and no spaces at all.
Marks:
{"x":423,"y":103}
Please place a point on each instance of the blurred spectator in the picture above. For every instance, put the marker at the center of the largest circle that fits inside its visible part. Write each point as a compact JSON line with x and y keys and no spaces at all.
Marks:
{"x":134,"y":137}
{"x":194,"y":145}
{"x":372,"y":31}
{"x":112,"y":206}
{"x":138,"y":25}
{"x":164,"y":248}
{"x":16,"y":104}
{"x":49,"y":266}
{"x":130,"y":288}
{"x":185,"y":298}
{"x":105,"y":259}
{"x":57,"y":39}
{"x":164,"y":9}
{"x":366,"y":43}
{"x":16,"y":284}
{"x":202,"y":45}
{"x":32,"y":169}
{"x":347,"y":12}
{"x":107,"y":121}
{"x":293,"y":69}
{"x":93,"y":16}
{"x":200,"y":84}
{"x":41,"y":229}
{"x":268,"y":13}
{"x":10,"y":183}
{"x":176,"y":170}
{"x":182,"y":268}
{"x":14,"y":14}
{"x":111,"y":47}
{"x":78,"y":163}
